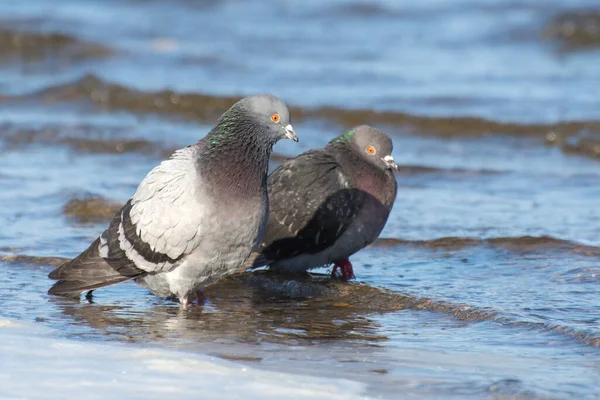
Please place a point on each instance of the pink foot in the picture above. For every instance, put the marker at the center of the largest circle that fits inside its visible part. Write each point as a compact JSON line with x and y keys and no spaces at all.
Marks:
{"x":185,"y":303}
{"x":345,"y":268}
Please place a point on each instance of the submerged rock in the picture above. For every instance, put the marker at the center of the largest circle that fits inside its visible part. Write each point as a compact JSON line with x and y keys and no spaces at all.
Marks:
{"x":91,"y":208}
{"x":37,"y":46}
{"x":81,"y":138}
{"x":33,"y":260}
{"x":575,"y":30}
{"x":206,"y":108}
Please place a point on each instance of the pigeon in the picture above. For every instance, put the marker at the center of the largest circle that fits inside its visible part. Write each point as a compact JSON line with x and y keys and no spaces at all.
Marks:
{"x":327,"y":204}
{"x":195,"y":217}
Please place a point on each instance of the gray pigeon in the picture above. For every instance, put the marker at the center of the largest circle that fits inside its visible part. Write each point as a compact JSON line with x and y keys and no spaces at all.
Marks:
{"x":327,"y":204}
{"x":195,"y":217}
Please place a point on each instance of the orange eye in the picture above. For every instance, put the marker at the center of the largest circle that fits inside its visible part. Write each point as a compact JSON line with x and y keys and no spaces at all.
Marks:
{"x":275,"y":118}
{"x":371,"y":150}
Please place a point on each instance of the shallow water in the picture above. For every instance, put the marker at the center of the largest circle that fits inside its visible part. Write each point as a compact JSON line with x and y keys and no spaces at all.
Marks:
{"x":486,"y":281}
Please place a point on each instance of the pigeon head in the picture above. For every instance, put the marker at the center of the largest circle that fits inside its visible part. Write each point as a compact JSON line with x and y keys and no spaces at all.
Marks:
{"x":369,"y":144}
{"x":270,"y":113}
{"x":235,"y":153}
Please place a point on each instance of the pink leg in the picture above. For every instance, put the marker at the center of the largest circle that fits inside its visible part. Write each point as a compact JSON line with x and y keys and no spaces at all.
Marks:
{"x":345,"y":268}
{"x":184,"y":303}
{"x":200,"y":298}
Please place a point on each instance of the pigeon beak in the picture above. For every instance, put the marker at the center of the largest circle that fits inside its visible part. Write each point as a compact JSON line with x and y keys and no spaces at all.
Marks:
{"x":390,"y":163}
{"x":290,"y":134}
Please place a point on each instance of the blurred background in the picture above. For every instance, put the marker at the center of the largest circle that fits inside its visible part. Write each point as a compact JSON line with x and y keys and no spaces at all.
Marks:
{"x":486,"y":282}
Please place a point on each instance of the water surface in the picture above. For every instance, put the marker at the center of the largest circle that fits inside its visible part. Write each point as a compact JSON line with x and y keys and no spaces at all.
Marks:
{"x":485,"y":283}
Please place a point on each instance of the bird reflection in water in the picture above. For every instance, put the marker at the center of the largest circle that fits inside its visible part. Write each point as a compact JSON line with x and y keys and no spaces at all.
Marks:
{"x":247,"y":308}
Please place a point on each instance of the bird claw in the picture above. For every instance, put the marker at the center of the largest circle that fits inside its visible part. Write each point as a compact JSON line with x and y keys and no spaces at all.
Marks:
{"x":346,"y":271}
{"x":185,"y":303}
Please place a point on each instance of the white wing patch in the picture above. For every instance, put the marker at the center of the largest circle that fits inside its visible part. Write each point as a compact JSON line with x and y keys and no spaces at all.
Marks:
{"x":103,"y":246}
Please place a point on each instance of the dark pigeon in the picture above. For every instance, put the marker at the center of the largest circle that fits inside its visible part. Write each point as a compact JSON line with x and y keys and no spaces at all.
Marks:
{"x":195,"y":217}
{"x":327,"y":204}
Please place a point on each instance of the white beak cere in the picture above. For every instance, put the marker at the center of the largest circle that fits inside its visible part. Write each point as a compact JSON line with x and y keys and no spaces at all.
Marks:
{"x":290,"y":134}
{"x":389,"y":162}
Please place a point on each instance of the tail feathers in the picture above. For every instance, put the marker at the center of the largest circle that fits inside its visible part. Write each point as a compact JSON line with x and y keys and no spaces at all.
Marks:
{"x":75,"y":288}
{"x":90,"y":271}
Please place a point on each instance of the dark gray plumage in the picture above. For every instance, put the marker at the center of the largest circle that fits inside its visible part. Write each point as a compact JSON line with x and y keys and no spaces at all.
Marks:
{"x":329,"y":203}
{"x":195,"y":217}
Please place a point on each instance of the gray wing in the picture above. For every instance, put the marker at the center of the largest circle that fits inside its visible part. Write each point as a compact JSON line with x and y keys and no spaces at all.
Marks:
{"x":153,"y":232}
{"x":163,"y":221}
{"x":311,"y":205}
